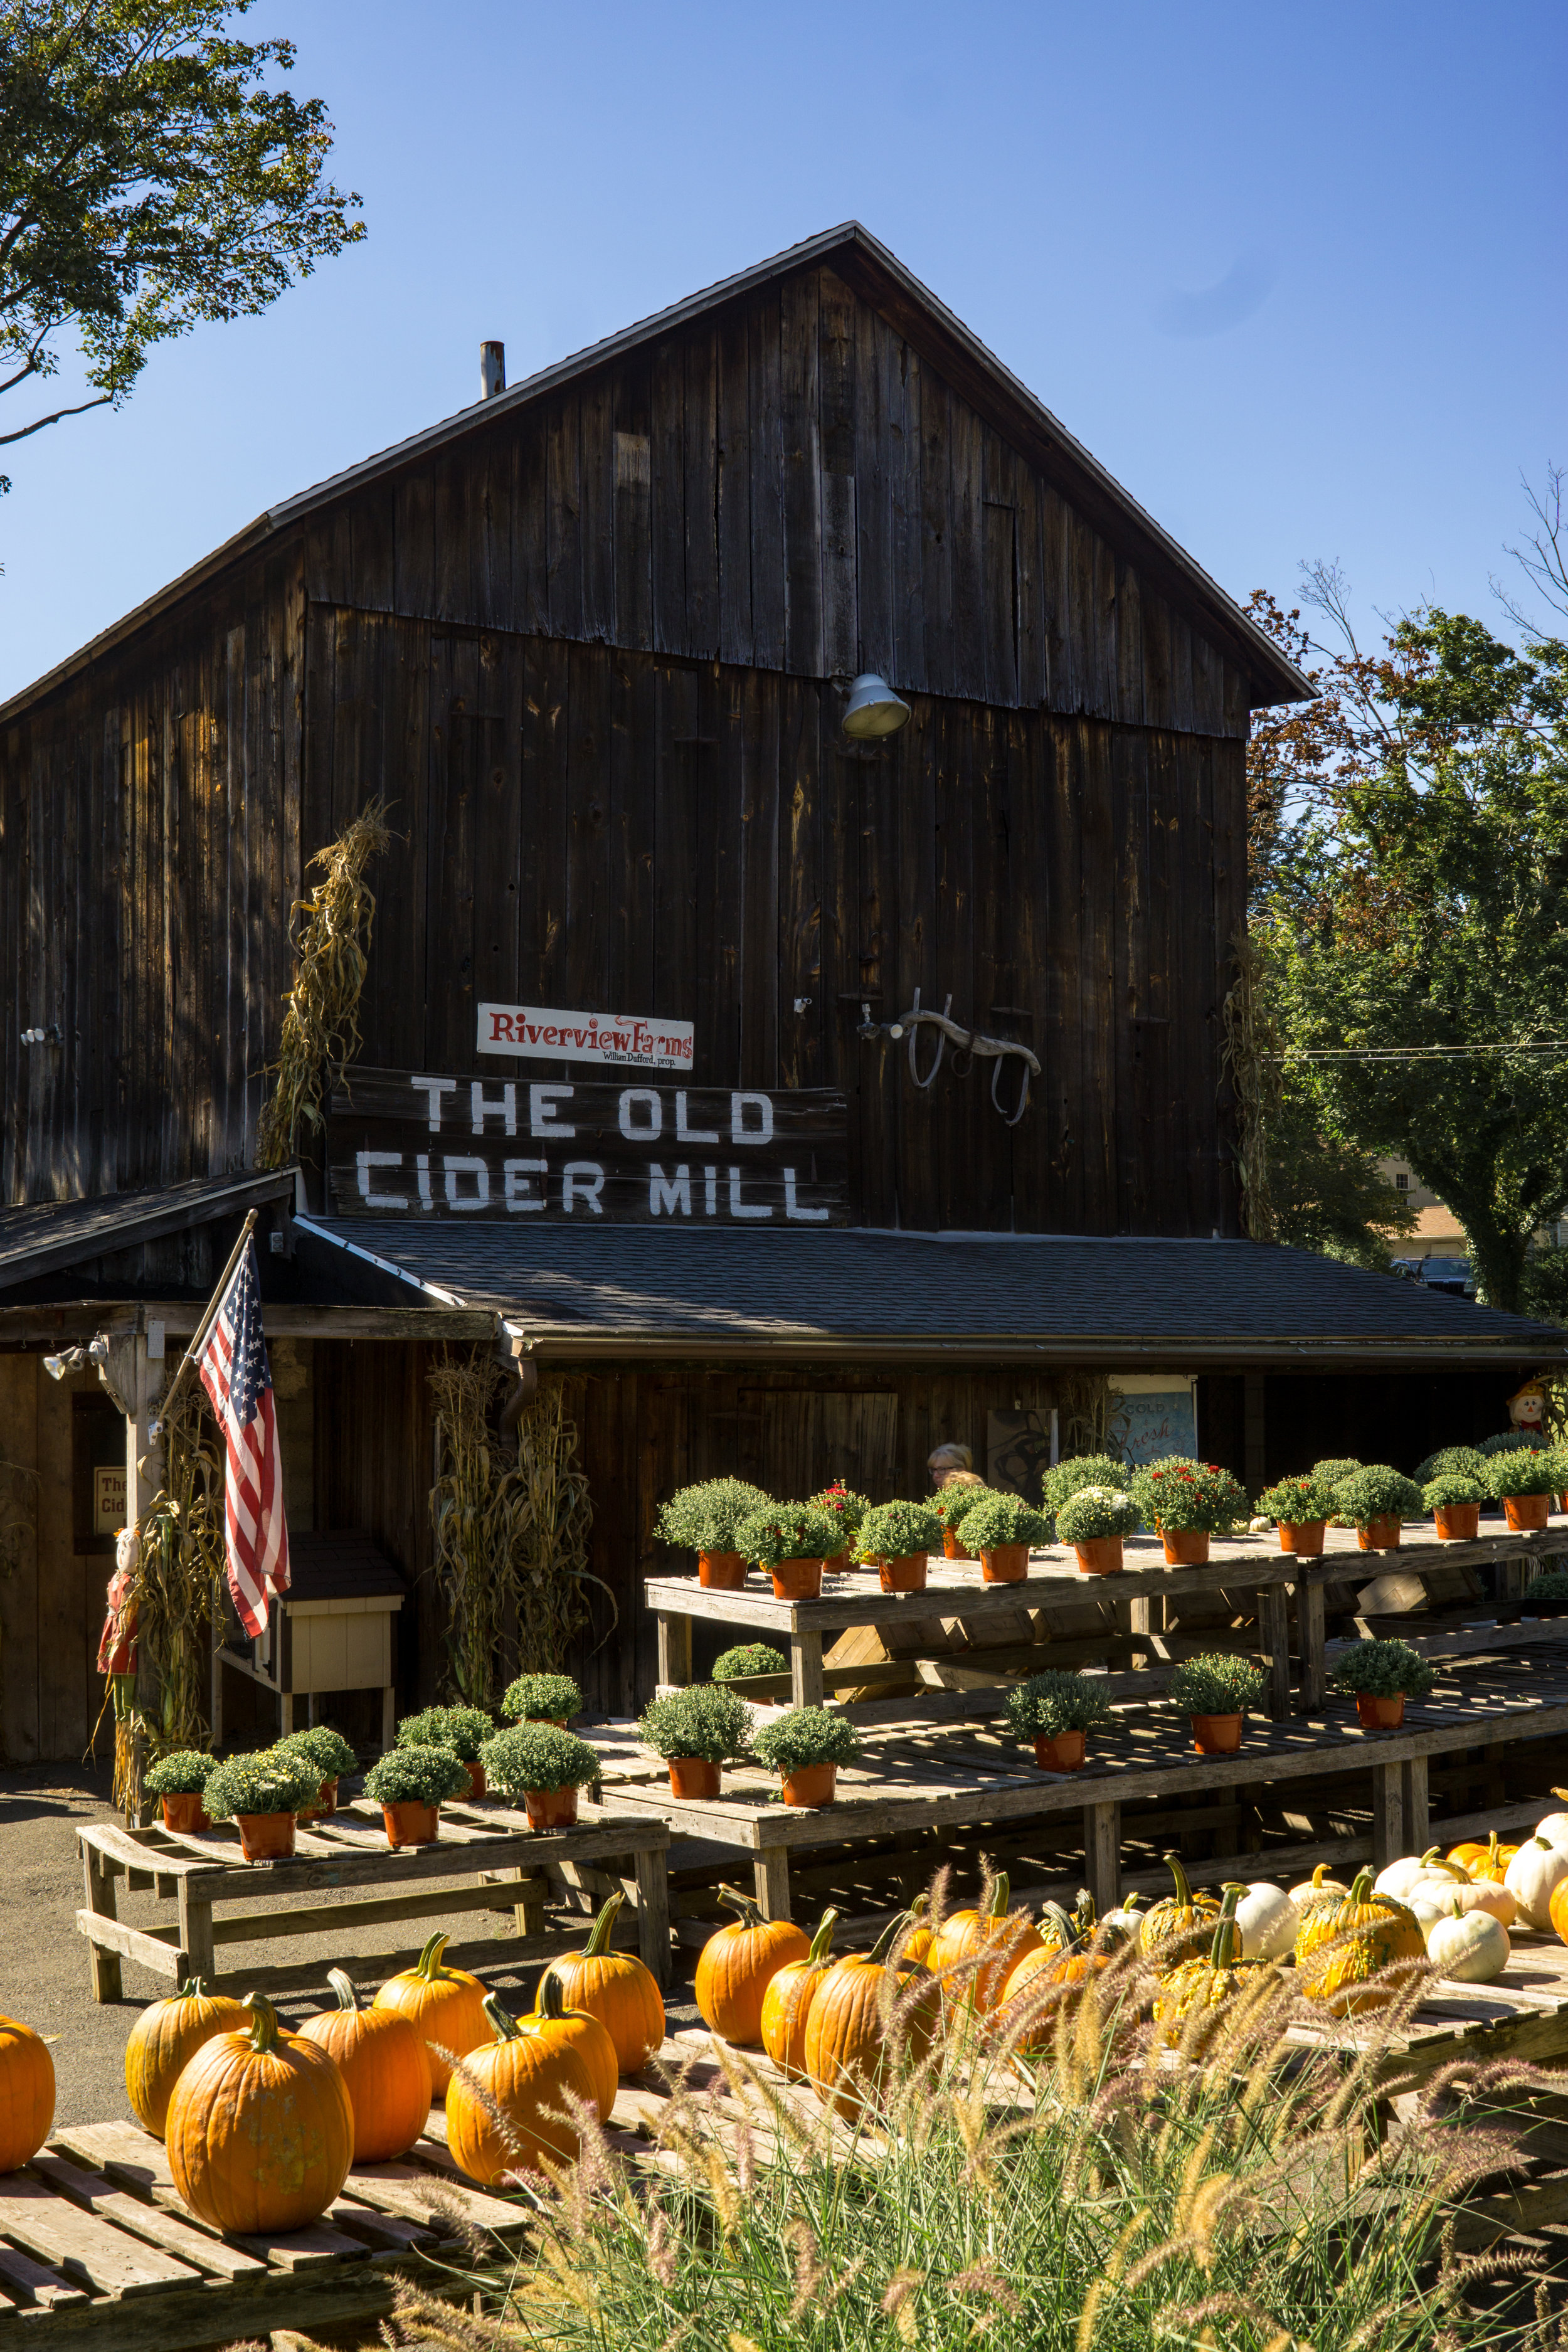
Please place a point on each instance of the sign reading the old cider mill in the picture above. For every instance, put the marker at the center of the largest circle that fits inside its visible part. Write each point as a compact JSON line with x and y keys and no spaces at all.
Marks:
{"x":405,"y":1143}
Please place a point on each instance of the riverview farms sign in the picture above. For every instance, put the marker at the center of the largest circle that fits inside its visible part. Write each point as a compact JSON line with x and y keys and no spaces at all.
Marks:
{"x":405,"y":1143}
{"x":535,"y":1032}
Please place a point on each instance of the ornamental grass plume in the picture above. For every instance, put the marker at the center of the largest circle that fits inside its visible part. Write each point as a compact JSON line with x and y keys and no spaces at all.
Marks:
{"x":1108,"y":2195}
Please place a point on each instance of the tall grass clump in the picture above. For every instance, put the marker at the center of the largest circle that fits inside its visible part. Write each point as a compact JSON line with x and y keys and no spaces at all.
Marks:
{"x":1108,"y":2195}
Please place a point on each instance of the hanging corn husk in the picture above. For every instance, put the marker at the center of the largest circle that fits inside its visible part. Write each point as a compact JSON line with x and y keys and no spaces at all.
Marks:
{"x":1083,"y":1415}
{"x":1250,"y":1058}
{"x":320,"y":1027}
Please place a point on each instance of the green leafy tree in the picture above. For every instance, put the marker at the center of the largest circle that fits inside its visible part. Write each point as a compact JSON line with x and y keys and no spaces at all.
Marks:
{"x":1411,"y":903}
{"x":152,"y":176}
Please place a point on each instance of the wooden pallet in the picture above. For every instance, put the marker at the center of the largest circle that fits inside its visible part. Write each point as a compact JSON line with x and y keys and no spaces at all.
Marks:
{"x":508,"y":1869}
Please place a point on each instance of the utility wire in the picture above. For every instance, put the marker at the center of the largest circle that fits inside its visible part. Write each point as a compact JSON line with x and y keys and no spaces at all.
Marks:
{"x":1412,"y":1053}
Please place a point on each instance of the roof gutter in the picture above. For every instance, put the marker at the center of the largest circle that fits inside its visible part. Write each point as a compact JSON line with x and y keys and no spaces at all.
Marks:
{"x":556,"y":1344}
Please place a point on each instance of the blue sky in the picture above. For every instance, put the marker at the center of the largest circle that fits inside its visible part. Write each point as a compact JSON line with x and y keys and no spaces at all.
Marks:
{"x":1296,"y":276}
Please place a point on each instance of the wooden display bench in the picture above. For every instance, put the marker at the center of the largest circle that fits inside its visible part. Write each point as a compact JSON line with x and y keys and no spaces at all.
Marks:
{"x":521,"y":1870}
{"x":943,"y":1764}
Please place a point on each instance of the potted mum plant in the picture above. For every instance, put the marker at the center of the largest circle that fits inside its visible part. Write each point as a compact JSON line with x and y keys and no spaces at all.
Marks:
{"x":177,"y":1782}
{"x":1063,"y":1480}
{"x":1056,"y":1710}
{"x":748,"y":1660}
{"x":1094,"y":1520}
{"x":950,"y":1503}
{"x":1301,"y":1507}
{"x":704,"y":1519}
{"x":463,"y":1729}
{"x":262,"y":1793}
{"x":1463,"y":1461}
{"x":541,"y":1698}
{"x":805,"y":1746}
{"x":1523,"y":1480}
{"x":1000,"y":1529}
{"x":1375,"y":1500}
{"x":1188,"y":1502}
{"x":1216,"y":1691}
{"x":409,"y":1783}
{"x":792,"y":1541}
{"x":1380,"y":1676}
{"x":895,"y":1538}
{"x":1546,"y":1595}
{"x":696,"y":1731}
{"x":330,"y":1752}
{"x":1454,"y":1497}
{"x":542,"y":1766}
{"x":850,"y":1511}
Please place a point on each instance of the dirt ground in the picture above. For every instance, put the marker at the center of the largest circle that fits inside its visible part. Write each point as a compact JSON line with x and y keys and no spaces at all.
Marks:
{"x":44,"y":1975}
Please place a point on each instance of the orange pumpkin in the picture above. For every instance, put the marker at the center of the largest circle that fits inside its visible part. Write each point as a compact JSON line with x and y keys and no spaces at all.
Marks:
{"x":444,"y":2005}
{"x":381,"y":2056}
{"x":26,"y":2094}
{"x":1488,"y":1862}
{"x":523,"y":2071}
{"x":260,"y":2130}
{"x":736,"y":1966}
{"x":1558,"y":1908}
{"x":847,"y":2028}
{"x":1003,"y":1938}
{"x":575,"y":2029}
{"x":163,"y":2040}
{"x":616,"y":1989}
{"x":1065,"y":1956}
{"x":786,"y":2004}
{"x":1181,"y":1925}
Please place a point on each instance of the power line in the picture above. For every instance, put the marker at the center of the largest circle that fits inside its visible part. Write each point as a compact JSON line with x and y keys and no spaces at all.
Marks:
{"x":1547,"y":1045}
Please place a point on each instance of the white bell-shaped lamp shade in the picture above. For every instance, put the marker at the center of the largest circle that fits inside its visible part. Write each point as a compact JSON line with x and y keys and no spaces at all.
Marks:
{"x":873,"y":709}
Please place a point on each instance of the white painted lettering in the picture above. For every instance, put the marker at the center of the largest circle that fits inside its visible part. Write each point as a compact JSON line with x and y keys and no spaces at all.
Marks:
{"x":793,"y":1212}
{"x":667,"y":1195}
{"x":711,"y":1190}
{"x":630,"y":1100}
{"x":481,"y":1108}
{"x":684,"y":1134}
{"x":458,"y":1200}
{"x":432,"y":1089}
{"x":422,"y":1169}
{"x":581,"y":1179}
{"x":739,"y":1208}
{"x":366,"y":1161}
{"x":520,"y":1193}
{"x":739,"y":1131}
{"x":544,"y":1102}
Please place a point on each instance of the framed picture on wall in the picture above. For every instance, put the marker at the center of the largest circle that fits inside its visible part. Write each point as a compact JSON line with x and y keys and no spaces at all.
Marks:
{"x":98,"y":1472}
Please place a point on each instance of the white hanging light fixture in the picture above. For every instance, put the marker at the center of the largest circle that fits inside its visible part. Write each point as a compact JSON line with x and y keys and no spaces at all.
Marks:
{"x":873,"y":709}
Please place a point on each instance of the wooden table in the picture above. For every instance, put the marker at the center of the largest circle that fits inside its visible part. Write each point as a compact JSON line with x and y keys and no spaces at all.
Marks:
{"x":954,"y":1589}
{"x":945,"y":1763}
{"x":520,"y":1867}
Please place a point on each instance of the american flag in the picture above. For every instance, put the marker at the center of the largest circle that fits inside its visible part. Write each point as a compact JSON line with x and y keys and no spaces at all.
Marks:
{"x":236,"y":1376}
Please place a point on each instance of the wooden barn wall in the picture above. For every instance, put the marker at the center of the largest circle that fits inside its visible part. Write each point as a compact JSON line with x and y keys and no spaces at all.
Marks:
{"x":784,"y":485}
{"x":582,"y":825}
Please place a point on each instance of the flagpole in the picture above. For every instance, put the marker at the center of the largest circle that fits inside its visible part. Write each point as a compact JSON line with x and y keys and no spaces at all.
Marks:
{"x":193,"y":1353}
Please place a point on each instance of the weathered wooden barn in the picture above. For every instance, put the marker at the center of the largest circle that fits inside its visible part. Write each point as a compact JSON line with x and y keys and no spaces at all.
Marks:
{"x":591,"y":640}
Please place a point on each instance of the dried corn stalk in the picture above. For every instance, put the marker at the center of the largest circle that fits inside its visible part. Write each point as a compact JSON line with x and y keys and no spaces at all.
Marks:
{"x":321,"y":1025}
{"x":512,"y":1544}
{"x":1083,"y":1415}
{"x":1250,"y":1058}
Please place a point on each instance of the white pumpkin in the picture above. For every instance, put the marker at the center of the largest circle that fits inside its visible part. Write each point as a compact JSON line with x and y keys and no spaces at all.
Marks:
{"x":1425,"y":1912}
{"x":1319,"y":1888}
{"x":1410,"y":1874}
{"x":1471,"y":1945}
{"x":1554,"y":1828}
{"x":1536,"y":1871}
{"x":1268,"y":1920}
{"x":1486,"y":1894}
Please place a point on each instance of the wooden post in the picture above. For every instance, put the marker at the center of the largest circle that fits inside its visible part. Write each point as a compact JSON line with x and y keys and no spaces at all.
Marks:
{"x":1132,"y":1617}
{"x":196,"y":1932}
{"x":528,"y":1911}
{"x":1102,"y":1853}
{"x":137,"y":1381}
{"x":1310,"y":1641}
{"x":1416,"y":1804}
{"x":806,"y":1669}
{"x":1255,"y":1472}
{"x":653,"y":1912}
{"x":1274,"y":1625}
{"x":674,"y":1648}
{"x":107,"y":1984}
{"x":770,"y":1873}
{"x":1387,"y":1814}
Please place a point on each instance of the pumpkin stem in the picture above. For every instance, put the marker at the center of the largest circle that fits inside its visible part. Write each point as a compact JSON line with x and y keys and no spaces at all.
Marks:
{"x":263,"y":2021}
{"x":193,"y":1989}
{"x":1184,"y":1891}
{"x":1321,"y":1873}
{"x":507,"y":2028}
{"x":1226,"y":1949}
{"x":1001,"y":1894}
{"x":598,"y":1943}
{"x":890,"y":1936}
{"x":1052,"y":1916}
{"x":342,"y":1985}
{"x":549,"y":2000}
{"x":1360,"y":1886}
{"x":429,"y":1964}
{"x":1433,"y":1859}
{"x":921,"y":1905}
{"x":751,"y":1915}
{"x":822,"y":1942}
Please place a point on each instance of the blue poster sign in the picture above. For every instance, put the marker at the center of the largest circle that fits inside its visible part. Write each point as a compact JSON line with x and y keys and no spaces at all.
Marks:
{"x":1150,"y":1422}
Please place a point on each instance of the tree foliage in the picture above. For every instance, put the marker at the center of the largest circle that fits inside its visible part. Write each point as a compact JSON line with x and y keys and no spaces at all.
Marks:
{"x":153,"y":175}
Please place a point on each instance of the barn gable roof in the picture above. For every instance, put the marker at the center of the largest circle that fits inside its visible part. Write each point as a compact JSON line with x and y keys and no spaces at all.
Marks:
{"x":877,"y":274}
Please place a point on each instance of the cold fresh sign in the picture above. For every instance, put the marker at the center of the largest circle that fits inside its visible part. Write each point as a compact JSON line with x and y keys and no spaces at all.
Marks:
{"x":406,"y":1143}
{"x":539,"y":1033}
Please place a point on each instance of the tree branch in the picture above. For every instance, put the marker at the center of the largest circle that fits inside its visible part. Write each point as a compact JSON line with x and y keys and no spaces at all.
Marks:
{"x":103,"y":401}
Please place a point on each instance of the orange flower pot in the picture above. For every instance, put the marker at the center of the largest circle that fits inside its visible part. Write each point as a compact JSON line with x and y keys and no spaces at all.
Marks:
{"x":951,"y":1548}
{"x":551,"y":1809}
{"x":1526,"y":1512}
{"x":1099,"y":1556}
{"x":1185,"y":1547}
{"x":905,"y":1572}
{"x":1064,"y":1753}
{"x":693,"y":1775}
{"x":721,"y":1571}
{"x":1305,"y":1535}
{"x":812,"y":1784}
{"x":186,"y":1816}
{"x":477,"y":1782}
{"x":326,"y":1802}
{"x":797,"y":1579}
{"x":835,"y":1563}
{"x":1380,"y":1714}
{"x":1216,"y":1735}
{"x":411,"y":1823}
{"x":1458,"y":1522}
{"x":1008,"y":1564}
{"x":266,"y":1837}
{"x":1380,"y":1535}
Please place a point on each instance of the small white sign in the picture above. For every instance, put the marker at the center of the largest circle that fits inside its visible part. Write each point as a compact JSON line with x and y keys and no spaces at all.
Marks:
{"x":109,"y":1496}
{"x":624,"y":1039}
